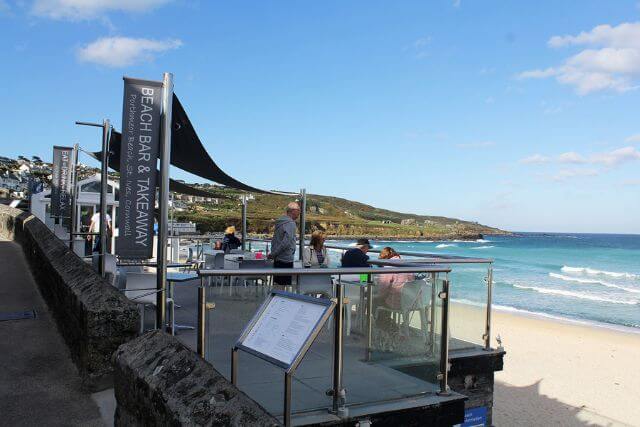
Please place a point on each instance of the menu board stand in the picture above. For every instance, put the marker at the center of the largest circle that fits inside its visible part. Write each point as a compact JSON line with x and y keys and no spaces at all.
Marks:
{"x":281,"y":332}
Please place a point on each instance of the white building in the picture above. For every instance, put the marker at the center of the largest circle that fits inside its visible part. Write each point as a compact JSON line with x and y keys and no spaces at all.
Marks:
{"x":87,"y":204}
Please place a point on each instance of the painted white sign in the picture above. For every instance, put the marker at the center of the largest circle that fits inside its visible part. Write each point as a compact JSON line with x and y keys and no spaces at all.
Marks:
{"x":283,"y":328}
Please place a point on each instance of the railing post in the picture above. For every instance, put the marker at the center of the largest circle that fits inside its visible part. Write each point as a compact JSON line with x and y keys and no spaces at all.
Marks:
{"x":244,"y":221}
{"x":487,"y":331}
{"x":202,"y":310}
{"x":338,"y":392}
{"x":287,"y":399}
{"x":443,"y":376}
{"x":303,"y":221}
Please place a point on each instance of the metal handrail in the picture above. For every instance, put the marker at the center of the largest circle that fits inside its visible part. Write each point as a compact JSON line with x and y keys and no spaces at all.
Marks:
{"x":322,"y":271}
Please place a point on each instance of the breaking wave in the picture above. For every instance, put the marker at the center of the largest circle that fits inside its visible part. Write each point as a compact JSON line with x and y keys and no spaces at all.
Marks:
{"x":483,"y":247}
{"x":592,"y":282}
{"x":594,"y":272}
{"x":445,"y":245}
{"x":571,"y":294}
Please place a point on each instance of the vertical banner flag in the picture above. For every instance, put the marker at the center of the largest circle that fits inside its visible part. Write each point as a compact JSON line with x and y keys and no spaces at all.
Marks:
{"x":61,"y":182}
{"x":138,"y":167}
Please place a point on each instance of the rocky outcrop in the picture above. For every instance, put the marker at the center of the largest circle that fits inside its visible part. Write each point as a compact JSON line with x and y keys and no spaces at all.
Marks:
{"x":92,"y":316}
{"x":159,"y":381}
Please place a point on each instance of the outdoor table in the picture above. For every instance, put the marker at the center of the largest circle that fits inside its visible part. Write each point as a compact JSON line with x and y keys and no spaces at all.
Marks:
{"x":172,"y":278}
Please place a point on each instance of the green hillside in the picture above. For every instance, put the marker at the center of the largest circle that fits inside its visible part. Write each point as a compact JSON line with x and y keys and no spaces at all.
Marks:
{"x":336,"y":216}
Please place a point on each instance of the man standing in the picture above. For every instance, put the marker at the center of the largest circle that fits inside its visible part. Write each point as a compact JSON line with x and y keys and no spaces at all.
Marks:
{"x":283,"y":244}
{"x":95,"y":228}
{"x":357,"y":257}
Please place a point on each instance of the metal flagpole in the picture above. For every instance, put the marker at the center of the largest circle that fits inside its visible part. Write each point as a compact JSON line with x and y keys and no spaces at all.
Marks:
{"x":244,"y":221}
{"x":106,"y":130}
{"x":74,"y":196}
{"x":303,"y":219}
{"x":163,"y":184}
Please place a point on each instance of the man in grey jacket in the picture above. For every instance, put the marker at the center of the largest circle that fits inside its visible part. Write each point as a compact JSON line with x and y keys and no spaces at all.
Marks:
{"x":283,"y":244}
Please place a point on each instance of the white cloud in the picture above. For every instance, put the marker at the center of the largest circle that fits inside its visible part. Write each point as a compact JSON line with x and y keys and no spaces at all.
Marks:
{"x":612,"y":61}
{"x":478,"y":144}
{"x":571,"y":157}
{"x":124,"y":51}
{"x":565,"y":174}
{"x":616,"y":157}
{"x":535,"y":159}
{"x":633,"y":138}
{"x":78,"y":10}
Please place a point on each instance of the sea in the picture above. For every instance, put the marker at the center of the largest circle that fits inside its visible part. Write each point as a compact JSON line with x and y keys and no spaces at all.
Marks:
{"x":588,"y":278}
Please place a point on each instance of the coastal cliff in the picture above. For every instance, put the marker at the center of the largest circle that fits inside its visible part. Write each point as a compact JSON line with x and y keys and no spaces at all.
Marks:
{"x":337,"y":217}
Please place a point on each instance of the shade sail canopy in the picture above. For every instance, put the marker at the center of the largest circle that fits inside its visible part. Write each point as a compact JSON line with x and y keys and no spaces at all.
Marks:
{"x":187,"y":153}
{"x":175,"y":186}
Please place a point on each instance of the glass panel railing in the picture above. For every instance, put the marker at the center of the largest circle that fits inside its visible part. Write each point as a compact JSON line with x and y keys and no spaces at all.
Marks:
{"x":391,"y":346}
{"x":468,"y":307}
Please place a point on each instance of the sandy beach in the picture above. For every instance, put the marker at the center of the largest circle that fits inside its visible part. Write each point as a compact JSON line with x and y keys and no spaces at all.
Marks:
{"x":564,"y":374}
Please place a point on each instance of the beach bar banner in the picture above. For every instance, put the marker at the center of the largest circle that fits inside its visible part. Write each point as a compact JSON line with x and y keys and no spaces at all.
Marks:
{"x":138,"y":165}
{"x":61,"y":182}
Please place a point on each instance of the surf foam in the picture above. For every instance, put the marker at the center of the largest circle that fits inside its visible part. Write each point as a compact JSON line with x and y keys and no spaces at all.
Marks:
{"x":594,"y":272}
{"x":571,"y":294}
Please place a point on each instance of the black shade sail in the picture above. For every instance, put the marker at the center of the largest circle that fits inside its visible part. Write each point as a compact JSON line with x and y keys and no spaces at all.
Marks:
{"x":175,"y":186}
{"x":187,"y":153}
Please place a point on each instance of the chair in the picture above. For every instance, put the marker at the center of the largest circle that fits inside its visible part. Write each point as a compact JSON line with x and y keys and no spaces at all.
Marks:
{"x":141,"y":289}
{"x":214,"y":261}
{"x":248,"y":264}
{"x":414,"y":296}
{"x":352,"y":291}
{"x":316,"y":285}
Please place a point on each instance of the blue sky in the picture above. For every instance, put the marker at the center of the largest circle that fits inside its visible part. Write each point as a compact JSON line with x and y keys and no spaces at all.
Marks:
{"x":518,"y":115}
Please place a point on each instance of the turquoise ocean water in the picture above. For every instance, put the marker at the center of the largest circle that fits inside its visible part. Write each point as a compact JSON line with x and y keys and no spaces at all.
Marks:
{"x":586,"y":277}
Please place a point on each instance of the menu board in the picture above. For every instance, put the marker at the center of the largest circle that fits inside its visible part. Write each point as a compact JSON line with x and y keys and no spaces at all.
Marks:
{"x":283,"y":328}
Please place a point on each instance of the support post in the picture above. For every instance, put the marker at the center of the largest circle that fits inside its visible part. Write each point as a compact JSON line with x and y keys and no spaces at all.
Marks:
{"x":234,"y":366}
{"x":74,"y":197}
{"x":202,"y":310}
{"x":244,"y":221}
{"x":287,"y":399}
{"x":303,"y":221}
{"x":487,"y":331}
{"x":444,"y":340}
{"x":104,"y":184}
{"x":338,"y":320}
{"x":163,"y":184}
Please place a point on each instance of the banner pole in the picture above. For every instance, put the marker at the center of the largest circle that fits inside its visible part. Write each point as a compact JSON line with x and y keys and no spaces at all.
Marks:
{"x":106,"y":130}
{"x":163,"y":202}
{"x":303,"y":220}
{"x":74,"y":196}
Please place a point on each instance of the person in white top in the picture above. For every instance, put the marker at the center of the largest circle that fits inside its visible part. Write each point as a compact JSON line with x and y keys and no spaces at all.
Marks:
{"x":315,"y":255}
{"x":94,"y":227}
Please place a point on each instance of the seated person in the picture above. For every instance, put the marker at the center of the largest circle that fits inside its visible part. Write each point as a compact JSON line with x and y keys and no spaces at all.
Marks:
{"x":315,"y":255}
{"x":217,"y":245}
{"x":357,"y":257}
{"x":230,"y":241}
{"x":390,"y":285}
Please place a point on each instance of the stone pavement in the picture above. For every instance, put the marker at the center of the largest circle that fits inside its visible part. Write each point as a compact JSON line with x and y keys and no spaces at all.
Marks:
{"x":39,"y":384}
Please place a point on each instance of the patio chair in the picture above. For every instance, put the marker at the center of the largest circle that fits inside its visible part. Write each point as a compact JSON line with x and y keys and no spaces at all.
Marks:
{"x":352,"y":291}
{"x":414,"y":296}
{"x":141,"y":289}
{"x":316,"y":285}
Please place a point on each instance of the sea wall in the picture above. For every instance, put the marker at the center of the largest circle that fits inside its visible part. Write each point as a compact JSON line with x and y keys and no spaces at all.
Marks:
{"x":92,"y":316}
{"x":159,"y":381}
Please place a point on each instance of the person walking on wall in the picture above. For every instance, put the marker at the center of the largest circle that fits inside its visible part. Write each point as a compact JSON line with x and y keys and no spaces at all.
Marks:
{"x":230,"y":241}
{"x":315,"y":255}
{"x":283,"y":243}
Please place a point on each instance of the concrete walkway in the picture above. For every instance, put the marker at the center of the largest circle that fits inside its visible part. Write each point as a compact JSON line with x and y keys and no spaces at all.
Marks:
{"x":39,"y":384}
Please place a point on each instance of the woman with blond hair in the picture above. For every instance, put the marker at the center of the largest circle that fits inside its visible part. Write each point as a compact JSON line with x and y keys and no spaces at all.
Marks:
{"x":230,"y":241}
{"x":315,"y":255}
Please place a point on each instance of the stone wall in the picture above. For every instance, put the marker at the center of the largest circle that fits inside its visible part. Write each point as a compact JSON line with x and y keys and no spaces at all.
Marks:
{"x":92,"y":316}
{"x":159,"y":381}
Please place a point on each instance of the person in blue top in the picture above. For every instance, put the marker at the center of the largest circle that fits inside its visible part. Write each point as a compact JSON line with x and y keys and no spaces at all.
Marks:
{"x":230,"y":241}
{"x":357,"y":257}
